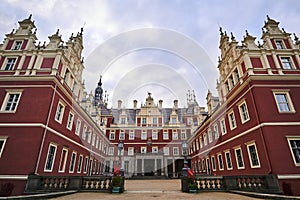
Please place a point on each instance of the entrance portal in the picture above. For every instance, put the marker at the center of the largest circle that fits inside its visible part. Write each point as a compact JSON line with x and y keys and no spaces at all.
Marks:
{"x":149,"y":167}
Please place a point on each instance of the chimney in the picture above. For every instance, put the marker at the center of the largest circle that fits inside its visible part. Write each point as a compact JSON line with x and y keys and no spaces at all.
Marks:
{"x":119,"y":104}
{"x":160,"y":103}
{"x":175,"y":104}
{"x":134,"y":104}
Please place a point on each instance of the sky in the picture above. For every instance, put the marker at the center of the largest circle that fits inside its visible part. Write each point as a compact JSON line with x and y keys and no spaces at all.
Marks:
{"x":165,"y":47}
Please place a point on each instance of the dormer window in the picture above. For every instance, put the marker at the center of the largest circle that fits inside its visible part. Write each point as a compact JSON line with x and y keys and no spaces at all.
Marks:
{"x":17,"y":45}
{"x":10,"y":64}
{"x":279,"y":44}
{"x":286,"y":63}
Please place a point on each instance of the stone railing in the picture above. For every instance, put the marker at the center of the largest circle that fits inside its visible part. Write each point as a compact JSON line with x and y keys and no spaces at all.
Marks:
{"x":38,"y":184}
{"x":253,"y":183}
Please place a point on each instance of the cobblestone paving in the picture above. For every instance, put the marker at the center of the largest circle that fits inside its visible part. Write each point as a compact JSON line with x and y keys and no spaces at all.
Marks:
{"x":154,"y":189}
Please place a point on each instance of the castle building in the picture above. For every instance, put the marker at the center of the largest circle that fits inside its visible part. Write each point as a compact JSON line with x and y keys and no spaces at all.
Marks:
{"x":44,"y":129}
{"x":255,"y":128}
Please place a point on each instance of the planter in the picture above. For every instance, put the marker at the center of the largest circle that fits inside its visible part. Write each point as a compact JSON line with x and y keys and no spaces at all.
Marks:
{"x":116,"y":190}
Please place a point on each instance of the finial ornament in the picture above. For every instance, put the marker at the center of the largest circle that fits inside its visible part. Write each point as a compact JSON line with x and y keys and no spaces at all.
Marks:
{"x":247,"y":34}
{"x":268,"y":18}
{"x":57,"y":32}
{"x":221,"y":32}
{"x":295,"y":37}
{"x":232,"y":36}
{"x":283,"y":30}
{"x":263,"y":30}
{"x":30,"y":16}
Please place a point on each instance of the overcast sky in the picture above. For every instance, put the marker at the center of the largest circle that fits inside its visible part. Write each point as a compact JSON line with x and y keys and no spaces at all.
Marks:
{"x":165,"y":47}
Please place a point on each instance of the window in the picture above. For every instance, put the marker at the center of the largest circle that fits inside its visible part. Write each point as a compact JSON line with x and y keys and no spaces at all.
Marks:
{"x":165,"y":135}
{"x":123,"y":120}
{"x":17,"y":45}
{"x":79,"y":164}
{"x":144,"y":135}
{"x":11,"y":101}
{"x":154,"y":135}
{"x":112,"y":136}
{"x":143,"y":149}
{"x":2,"y":143}
{"x":130,"y":151}
{"x":220,"y":161}
{"x":253,"y":156}
{"x":50,"y":157}
{"x":239,"y":158}
{"x":209,"y":136}
{"x":213,"y":163}
{"x":10,"y":63}
{"x":223,"y":126}
{"x":83,"y":136}
{"x":89,"y":136}
{"x":175,"y":135}
{"x":78,"y":125}
{"x":144,"y":120}
{"x":111,"y":151}
{"x":63,"y":160}
{"x":279,"y":44}
{"x":173,"y":120}
{"x":59,"y":112}
{"x":244,"y":112}
{"x":294,"y":144}
{"x":122,"y":135}
{"x":131,"y":135}
{"x":283,"y":101}
{"x":166,"y":151}
{"x":197,"y":144}
{"x":72,"y":162}
{"x":86,"y":164}
{"x":175,"y":151}
{"x":94,"y":139}
{"x":216,"y":131}
{"x":228,"y":160}
{"x":205,"y":139}
{"x":286,"y":63}
{"x":154,"y":149}
{"x":231,"y":119}
{"x":200,"y":141}
{"x":183,"y":135}
{"x":154,"y":120}
{"x":70,"y":121}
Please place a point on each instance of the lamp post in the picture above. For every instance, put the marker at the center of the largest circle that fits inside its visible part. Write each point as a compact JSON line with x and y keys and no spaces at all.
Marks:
{"x":120,"y":148}
{"x":184,"y":182}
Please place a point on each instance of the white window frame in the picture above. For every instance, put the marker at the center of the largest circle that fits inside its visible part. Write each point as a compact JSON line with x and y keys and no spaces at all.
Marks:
{"x":131,"y":135}
{"x":289,"y":102}
{"x":175,"y":151}
{"x":79,"y":165}
{"x":244,"y":114}
{"x":9,"y":63}
{"x":78,"y":126}
{"x":279,"y":44}
{"x":144,"y":120}
{"x":70,"y":120}
{"x":183,"y":134}
{"x":210,"y":138}
{"x":166,"y":151}
{"x":289,"y":139}
{"x":200,"y":141}
{"x":14,"y":102}
{"x":250,"y":157}
{"x":112,"y":135}
{"x":72,"y":162}
{"x":154,"y":120}
{"x":287,"y":62}
{"x":232,"y":120}
{"x":205,"y":139}
{"x":86,"y":164}
{"x":219,"y":155}
{"x":84,"y":130}
{"x":237,"y":158}
{"x":130,"y":151}
{"x":63,"y":162}
{"x":17,"y":45}
{"x":228,"y":161}
{"x":59,"y":114}
{"x":111,"y":151}
{"x":144,"y":135}
{"x":154,"y":134}
{"x":213,"y":163}
{"x":155,"y":149}
{"x":174,"y":135}
{"x":3,"y":139}
{"x":216,"y":130}
{"x":165,"y":134}
{"x":53,"y":158}
{"x":223,"y":126}
{"x":143,"y":149}
{"x":122,"y":135}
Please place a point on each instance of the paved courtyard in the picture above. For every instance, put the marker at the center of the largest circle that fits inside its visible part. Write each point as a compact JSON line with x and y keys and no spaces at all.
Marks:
{"x":154,"y":189}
